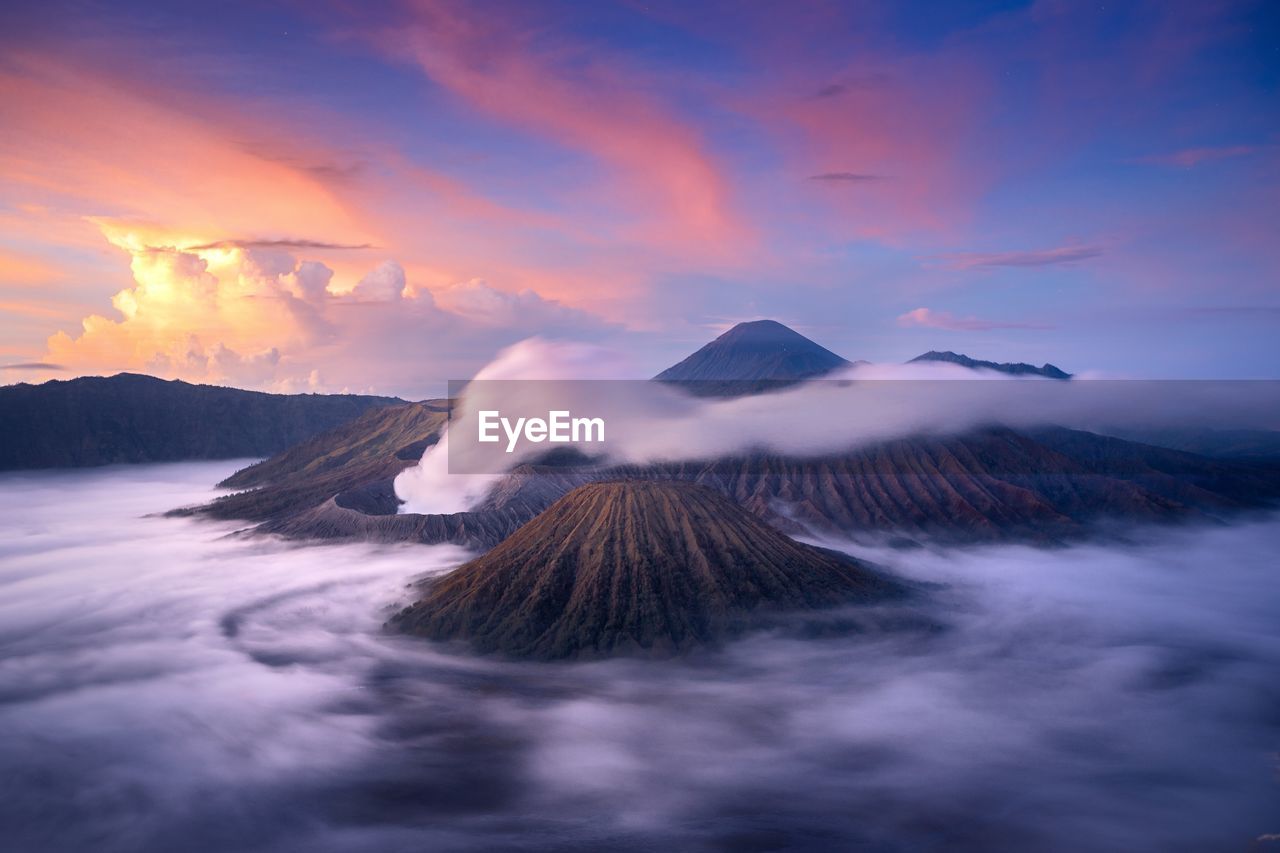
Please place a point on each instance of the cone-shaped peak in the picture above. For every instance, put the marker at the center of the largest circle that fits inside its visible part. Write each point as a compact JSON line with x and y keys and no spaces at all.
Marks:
{"x":651,"y":568}
{"x":758,"y":350}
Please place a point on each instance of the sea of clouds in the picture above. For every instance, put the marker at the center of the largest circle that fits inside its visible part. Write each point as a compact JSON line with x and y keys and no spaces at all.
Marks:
{"x":867,"y":403}
{"x":166,"y":685}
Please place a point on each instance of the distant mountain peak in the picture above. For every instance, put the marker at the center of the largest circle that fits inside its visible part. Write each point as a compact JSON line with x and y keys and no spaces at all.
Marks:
{"x":1012,"y":368}
{"x":761,"y":327}
{"x":631,"y":567}
{"x":755,"y":351}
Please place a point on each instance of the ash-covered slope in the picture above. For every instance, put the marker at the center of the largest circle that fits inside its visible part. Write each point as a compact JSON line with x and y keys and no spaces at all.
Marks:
{"x":358,"y":460}
{"x":751,"y":357}
{"x":988,"y":485}
{"x":97,"y":420}
{"x":984,"y":485}
{"x":652,"y":568}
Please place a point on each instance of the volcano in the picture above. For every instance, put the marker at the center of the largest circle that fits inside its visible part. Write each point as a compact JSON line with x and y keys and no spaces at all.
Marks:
{"x":634,"y":568}
{"x":751,"y":356}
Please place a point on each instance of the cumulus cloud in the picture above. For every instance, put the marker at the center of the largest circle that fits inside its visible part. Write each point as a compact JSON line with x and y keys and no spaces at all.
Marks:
{"x":383,"y":284}
{"x":943,"y":320}
{"x":222,"y":315}
{"x":310,"y":281}
{"x":262,"y":317}
{"x":218,"y":363}
{"x":478,"y":301}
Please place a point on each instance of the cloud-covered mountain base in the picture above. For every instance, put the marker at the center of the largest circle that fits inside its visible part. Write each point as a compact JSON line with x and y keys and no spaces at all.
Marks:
{"x":165,"y":687}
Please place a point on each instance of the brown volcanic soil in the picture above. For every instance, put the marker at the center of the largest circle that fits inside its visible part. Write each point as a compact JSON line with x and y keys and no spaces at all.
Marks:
{"x":358,"y":460}
{"x":652,"y":568}
{"x":987,"y":485}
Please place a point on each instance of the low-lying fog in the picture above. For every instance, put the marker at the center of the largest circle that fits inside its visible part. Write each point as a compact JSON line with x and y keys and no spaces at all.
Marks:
{"x":164,"y":687}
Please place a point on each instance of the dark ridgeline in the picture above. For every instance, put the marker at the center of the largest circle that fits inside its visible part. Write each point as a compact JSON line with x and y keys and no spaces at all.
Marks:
{"x":132,"y":418}
{"x":752,"y":357}
{"x":986,"y":485}
{"x":634,"y":568}
{"x":1012,"y":368}
{"x":1256,"y":445}
{"x":993,"y":485}
{"x":358,"y":460}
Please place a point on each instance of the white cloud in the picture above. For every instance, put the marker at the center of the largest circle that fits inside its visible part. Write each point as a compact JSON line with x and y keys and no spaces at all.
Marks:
{"x":653,"y":421}
{"x":482,"y":303}
{"x":264,"y":318}
{"x":384,"y":284}
{"x":310,"y":281}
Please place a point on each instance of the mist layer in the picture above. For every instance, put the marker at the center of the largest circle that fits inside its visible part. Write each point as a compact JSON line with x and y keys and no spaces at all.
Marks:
{"x":165,"y":685}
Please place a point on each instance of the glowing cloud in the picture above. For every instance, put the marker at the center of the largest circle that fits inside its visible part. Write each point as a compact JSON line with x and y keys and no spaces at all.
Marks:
{"x":263,"y":318}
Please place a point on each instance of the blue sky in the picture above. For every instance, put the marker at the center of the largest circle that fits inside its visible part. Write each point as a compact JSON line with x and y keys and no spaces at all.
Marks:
{"x":1094,"y":185}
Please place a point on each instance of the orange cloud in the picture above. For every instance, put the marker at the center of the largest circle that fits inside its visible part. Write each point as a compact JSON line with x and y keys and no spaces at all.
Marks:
{"x":260,"y":317}
{"x":171,"y":164}
{"x":30,"y":309}
{"x":883,"y":146}
{"x":583,"y":101}
{"x":197,"y":198}
{"x":193,"y":314}
{"x":23,"y":271}
{"x":72,"y":141}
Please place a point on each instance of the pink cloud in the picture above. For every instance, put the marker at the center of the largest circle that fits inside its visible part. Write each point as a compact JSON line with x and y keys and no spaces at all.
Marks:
{"x":1031,"y":258}
{"x":1187,"y":158}
{"x":265,"y":318}
{"x":890,"y":155}
{"x":944,"y":320}
{"x":179,"y":163}
{"x":586,"y":101}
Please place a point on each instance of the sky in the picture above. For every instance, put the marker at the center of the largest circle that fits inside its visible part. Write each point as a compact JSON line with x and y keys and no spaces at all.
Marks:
{"x":379,"y":196}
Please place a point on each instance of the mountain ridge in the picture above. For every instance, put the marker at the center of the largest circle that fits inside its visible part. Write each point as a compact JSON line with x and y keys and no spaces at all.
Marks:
{"x":133,"y":418}
{"x":978,"y":486}
{"x":358,"y":460}
{"x":1016,"y":368}
{"x":992,"y":485}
